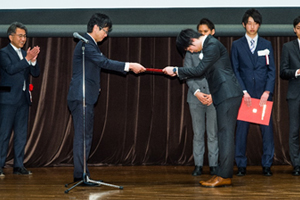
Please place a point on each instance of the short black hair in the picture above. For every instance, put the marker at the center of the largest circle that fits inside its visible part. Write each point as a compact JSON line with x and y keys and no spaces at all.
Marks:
{"x":184,"y":40}
{"x":100,"y":20}
{"x":296,"y":21}
{"x":207,"y":22}
{"x":13,"y":27}
{"x":254,"y":14}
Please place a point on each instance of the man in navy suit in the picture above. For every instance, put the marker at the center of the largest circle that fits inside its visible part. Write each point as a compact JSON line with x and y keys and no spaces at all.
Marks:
{"x":253,"y":64}
{"x":290,"y":70}
{"x":226,"y":93}
{"x":15,"y":67}
{"x":98,"y":28}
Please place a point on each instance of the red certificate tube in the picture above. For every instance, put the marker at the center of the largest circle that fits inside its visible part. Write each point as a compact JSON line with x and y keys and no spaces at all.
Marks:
{"x":153,"y":70}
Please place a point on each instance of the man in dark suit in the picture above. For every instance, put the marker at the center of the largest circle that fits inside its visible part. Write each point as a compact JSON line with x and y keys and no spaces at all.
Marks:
{"x":290,"y":70}
{"x":253,"y":64}
{"x":203,"y":112}
{"x":98,"y":28}
{"x":15,"y":67}
{"x":225,"y":90}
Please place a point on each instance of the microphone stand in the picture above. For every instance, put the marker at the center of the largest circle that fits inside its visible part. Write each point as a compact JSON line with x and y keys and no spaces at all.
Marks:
{"x":85,"y":178}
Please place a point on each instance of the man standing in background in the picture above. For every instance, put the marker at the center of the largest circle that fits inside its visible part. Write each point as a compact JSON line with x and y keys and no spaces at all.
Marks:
{"x":202,"y":109}
{"x":15,"y":67}
{"x":290,"y":70}
{"x":253,"y":64}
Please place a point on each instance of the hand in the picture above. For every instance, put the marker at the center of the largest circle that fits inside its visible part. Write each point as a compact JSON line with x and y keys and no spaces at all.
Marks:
{"x":136,"y":68}
{"x":33,"y":53}
{"x":263,"y":99}
{"x":247,"y":99}
{"x":203,"y":98}
{"x":209,"y":99}
{"x":169,"y":71}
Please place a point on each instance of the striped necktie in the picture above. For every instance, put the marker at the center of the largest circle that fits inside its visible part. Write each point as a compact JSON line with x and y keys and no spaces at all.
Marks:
{"x":252,"y":46}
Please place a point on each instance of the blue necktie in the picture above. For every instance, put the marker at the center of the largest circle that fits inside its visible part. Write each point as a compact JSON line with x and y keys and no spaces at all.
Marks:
{"x":252,"y":46}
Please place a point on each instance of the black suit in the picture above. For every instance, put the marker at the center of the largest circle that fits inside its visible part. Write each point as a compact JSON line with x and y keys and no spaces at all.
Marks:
{"x":14,"y":102}
{"x":289,"y":64}
{"x":94,"y":62}
{"x":226,"y":93}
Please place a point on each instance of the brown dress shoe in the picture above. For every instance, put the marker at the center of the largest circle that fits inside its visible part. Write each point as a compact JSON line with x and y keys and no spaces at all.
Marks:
{"x":216,"y":181}
{"x":210,"y":180}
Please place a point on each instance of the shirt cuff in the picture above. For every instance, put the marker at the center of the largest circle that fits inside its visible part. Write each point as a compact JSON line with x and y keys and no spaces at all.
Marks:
{"x":296,"y":75}
{"x":198,"y":90}
{"x":126,"y":68}
{"x":244,"y":91}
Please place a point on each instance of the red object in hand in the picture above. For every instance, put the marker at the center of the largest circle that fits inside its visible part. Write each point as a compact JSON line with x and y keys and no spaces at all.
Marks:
{"x":153,"y":70}
{"x":30,"y":87}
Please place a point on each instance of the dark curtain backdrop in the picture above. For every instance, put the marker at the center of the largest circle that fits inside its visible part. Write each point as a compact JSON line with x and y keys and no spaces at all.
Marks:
{"x":139,"y":119}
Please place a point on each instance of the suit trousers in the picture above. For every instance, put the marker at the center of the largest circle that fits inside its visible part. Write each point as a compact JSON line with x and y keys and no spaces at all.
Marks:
{"x":227,"y":112}
{"x":294,"y":117}
{"x":14,"y":118}
{"x":76,"y":108}
{"x":241,"y":144}
{"x":201,"y":115}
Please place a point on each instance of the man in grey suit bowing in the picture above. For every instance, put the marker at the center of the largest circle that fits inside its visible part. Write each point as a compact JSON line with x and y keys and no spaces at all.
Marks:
{"x":225,"y":90}
{"x":98,"y":28}
{"x":290,"y":70}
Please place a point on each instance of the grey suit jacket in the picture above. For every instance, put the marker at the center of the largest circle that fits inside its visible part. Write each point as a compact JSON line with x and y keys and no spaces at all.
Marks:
{"x":289,"y":64}
{"x":192,"y":60}
{"x":216,"y":67}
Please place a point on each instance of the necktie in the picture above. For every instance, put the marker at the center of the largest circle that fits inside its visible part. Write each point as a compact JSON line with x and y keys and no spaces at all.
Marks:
{"x":252,"y":46}
{"x":20,"y":54}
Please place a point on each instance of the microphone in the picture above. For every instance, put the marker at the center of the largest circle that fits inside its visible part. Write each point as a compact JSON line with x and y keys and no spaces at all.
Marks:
{"x":76,"y":35}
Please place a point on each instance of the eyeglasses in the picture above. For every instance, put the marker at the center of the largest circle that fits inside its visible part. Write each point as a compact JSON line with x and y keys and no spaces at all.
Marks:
{"x":21,"y":36}
{"x":105,"y":31}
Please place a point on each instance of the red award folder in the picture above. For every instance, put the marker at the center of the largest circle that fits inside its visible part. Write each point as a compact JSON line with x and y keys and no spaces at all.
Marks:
{"x":255,"y":113}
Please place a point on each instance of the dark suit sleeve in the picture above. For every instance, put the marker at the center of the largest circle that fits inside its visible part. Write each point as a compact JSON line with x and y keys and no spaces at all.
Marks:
{"x":211,"y":53}
{"x":285,"y":71}
{"x":9,"y":66}
{"x":271,"y":76}
{"x":235,"y":65}
{"x":98,"y":59}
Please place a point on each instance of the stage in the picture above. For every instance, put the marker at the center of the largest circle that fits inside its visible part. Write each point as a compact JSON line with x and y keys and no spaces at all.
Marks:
{"x":148,"y":182}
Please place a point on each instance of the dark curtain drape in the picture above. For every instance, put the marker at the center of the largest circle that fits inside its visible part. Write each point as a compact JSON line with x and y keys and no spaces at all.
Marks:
{"x":139,"y":119}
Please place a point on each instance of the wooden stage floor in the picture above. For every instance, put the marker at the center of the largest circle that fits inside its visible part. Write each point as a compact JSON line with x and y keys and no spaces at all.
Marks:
{"x":148,"y":182}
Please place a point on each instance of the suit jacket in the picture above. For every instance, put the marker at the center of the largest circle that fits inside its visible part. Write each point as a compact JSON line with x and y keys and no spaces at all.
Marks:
{"x":216,"y":68}
{"x":289,"y":64}
{"x":251,"y":70}
{"x":192,"y":60}
{"x":94,"y":62}
{"x":13,"y":72}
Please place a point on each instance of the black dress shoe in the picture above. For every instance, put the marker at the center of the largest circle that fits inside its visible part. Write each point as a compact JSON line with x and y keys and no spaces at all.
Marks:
{"x":197,"y":171}
{"x":241,"y":171}
{"x":296,"y":171}
{"x":267,"y":171}
{"x":1,"y":173}
{"x":21,"y":170}
{"x":213,"y":170}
